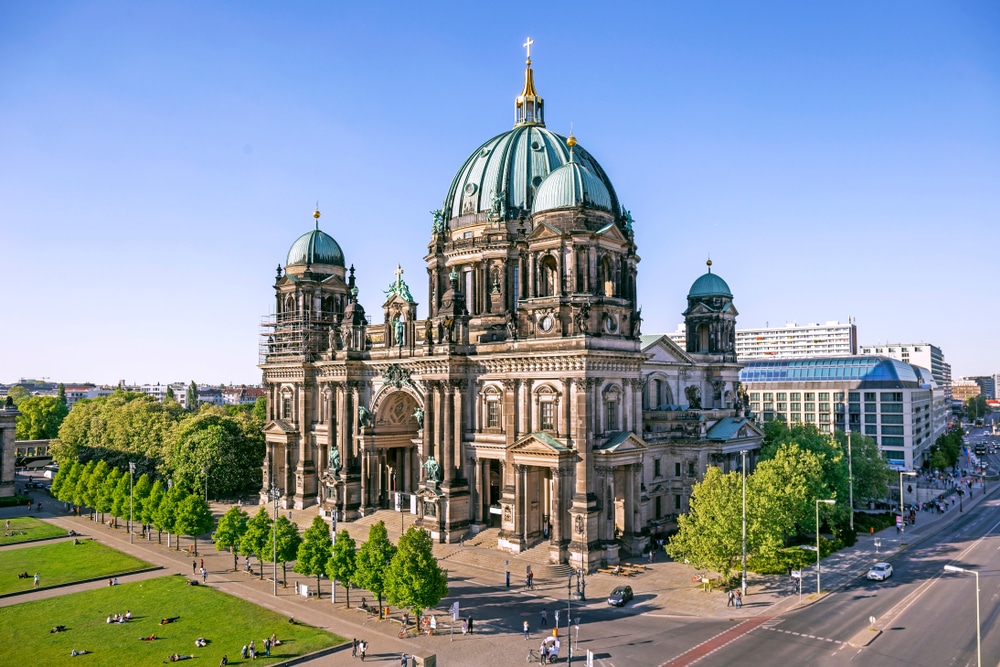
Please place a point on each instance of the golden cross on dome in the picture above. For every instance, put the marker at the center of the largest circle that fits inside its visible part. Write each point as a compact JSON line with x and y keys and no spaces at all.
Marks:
{"x":527,"y":45}
{"x":399,"y":273}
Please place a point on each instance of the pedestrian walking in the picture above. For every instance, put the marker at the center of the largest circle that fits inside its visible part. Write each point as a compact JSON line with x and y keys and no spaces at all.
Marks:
{"x":267,"y":647}
{"x":194,"y":567}
{"x":37,"y":579}
{"x":244,"y":652}
{"x":253,"y":650}
{"x":732,"y":599}
{"x":739,"y":599}
{"x":507,"y":577}
{"x":525,"y":631}
{"x":404,"y":661}
{"x":204,"y":576}
{"x":354,"y":647}
{"x":545,"y":618}
{"x":465,"y":626}
{"x":363,"y":648}
{"x":202,"y":563}
{"x":470,"y":625}
{"x":650,"y":555}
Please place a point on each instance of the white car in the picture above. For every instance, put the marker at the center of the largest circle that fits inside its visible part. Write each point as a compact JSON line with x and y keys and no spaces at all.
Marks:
{"x":880,"y":572}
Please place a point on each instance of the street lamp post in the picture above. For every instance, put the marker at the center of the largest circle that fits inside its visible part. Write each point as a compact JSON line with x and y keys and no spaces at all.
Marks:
{"x":979,"y":653}
{"x":131,"y":473}
{"x":743,"y":453}
{"x":569,"y":615}
{"x":275,"y":493}
{"x":850,"y":478}
{"x":903,"y":473}
{"x":827,"y":502}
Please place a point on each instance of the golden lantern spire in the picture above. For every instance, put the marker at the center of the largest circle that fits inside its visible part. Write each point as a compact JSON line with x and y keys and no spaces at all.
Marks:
{"x":316,"y":215}
{"x":528,"y":106}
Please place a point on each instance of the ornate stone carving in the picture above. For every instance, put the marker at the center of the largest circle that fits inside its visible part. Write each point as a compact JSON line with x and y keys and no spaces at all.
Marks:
{"x":508,"y":514}
{"x":693,"y":394}
{"x":397,"y":376}
{"x":579,"y":524}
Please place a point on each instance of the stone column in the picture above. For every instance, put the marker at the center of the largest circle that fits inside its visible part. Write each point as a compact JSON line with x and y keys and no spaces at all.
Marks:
{"x":556,"y":510}
{"x":447,"y":429}
{"x":458,"y":451}
{"x":521,"y":518}
{"x":627,"y":404}
{"x":510,"y":411}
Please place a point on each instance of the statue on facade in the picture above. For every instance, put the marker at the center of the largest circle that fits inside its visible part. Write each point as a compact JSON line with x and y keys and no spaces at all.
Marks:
{"x":334,"y":460}
{"x":511,"y":324}
{"x":418,"y":414}
{"x":693,"y":393}
{"x":438,"y":225}
{"x":364,"y":417}
{"x":397,"y":330}
{"x":428,"y":331}
{"x":637,"y":323}
{"x":433,"y":469}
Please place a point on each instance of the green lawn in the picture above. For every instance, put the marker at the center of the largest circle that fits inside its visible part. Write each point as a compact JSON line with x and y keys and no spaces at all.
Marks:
{"x":227,"y":622}
{"x":62,"y":562}
{"x":32,"y":529}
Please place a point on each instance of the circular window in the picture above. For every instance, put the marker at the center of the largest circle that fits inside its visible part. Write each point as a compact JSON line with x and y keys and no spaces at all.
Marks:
{"x":484,"y":153}
{"x":546,"y":323}
{"x":470,"y":189}
{"x":535,"y":146}
{"x":536,"y":181}
{"x":610,"y":324}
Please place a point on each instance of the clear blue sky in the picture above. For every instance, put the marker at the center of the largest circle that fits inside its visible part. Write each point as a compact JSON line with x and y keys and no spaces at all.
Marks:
{"x":157,"y":160}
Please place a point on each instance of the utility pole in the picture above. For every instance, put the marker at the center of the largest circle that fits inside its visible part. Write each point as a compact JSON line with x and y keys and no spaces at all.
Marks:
{"x":850,"y":476}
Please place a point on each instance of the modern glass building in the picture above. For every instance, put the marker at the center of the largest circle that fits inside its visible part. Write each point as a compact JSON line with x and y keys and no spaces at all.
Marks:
{"x":899,"y":405}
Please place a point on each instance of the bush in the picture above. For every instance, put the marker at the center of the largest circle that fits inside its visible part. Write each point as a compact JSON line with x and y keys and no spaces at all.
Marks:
{"x":864,"y":522}
{"x":14,"y":501}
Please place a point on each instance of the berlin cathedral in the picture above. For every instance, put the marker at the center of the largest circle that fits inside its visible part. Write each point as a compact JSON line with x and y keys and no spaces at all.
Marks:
{"x":527,"y":401}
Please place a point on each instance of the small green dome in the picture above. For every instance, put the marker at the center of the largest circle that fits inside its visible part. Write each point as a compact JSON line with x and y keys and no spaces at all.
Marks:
{"x":315,"y":247}
{"x":570,"y":185}
{"x":709,"y":285}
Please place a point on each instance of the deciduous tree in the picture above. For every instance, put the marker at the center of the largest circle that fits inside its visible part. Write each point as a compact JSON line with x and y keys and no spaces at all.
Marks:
{"x":229,"y":534}
{"x":709,"y":535}
{"x":343,"y":565}
{"x":414,"y":579}
{"x":257,"y":535}
{"x":149,"y":509}
{"x":194,"y":518}
{"x":288,"y":540}
{"x":315,"y":551}
{"x":40,"y":418}
{"x":373,"y":560}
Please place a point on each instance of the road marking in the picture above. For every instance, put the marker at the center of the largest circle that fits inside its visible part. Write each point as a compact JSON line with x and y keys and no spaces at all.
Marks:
{"x":713,"y":644}
{"x":799,"y":634}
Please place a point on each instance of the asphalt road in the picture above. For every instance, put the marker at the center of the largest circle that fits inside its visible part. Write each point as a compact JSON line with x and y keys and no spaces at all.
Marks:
{"x":927,"y":617}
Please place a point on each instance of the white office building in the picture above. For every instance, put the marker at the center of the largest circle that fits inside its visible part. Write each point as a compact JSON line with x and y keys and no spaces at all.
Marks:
{"x":899,"y":405}
{"x":792,"y":341}
{"x":918,"y":354}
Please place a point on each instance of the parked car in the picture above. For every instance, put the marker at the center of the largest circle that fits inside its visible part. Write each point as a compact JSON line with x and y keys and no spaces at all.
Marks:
{"x":620,"y":596}
{"x":880,"y":572}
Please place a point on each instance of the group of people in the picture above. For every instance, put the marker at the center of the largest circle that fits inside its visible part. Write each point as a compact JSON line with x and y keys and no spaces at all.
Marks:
{"x":735,"y":598}
{"x":113,"y":582}
{"x":249,"y":651}
{"x":359,"y":648}
{"x":120,"y":618}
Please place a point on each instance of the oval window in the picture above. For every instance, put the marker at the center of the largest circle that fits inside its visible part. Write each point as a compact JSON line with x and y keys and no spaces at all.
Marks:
{"x":470,"y":189}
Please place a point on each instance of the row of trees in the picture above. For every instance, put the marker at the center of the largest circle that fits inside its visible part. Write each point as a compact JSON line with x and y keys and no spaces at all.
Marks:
{"x":798,"y":464}
{"x":406,"y":575}
{"x":105,"y":490}
{"x":222,"y":448}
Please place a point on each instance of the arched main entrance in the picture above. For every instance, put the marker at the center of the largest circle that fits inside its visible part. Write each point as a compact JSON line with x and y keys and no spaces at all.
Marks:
{"x":390,"y":448}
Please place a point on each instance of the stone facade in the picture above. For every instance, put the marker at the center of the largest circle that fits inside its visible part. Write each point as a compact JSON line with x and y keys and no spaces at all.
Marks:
{"x":526,"y":401}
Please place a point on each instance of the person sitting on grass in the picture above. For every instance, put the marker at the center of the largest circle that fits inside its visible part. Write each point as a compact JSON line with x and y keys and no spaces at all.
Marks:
{"x":274,"y":640}
{"x":151,"y":638}
{"x":128,"y":615}
{"x":201,"y":641}
{"x":57,"y":628}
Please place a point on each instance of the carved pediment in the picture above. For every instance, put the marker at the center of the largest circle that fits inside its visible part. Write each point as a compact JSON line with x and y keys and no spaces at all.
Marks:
{"x":544,"y":231}
{"x":279,"y":426}
{"x":541,"y":444}
{"x":623,"y":442}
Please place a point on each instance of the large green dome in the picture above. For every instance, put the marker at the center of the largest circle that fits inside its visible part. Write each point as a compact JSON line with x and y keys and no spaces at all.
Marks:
{"x":571,"y":185}
{"x":709,"y":285}
{"x":513,"y":165}
{"x":315,"y":247}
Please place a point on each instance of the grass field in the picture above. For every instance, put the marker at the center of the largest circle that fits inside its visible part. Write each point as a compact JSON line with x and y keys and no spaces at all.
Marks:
{"x":32,"y":528}
{"x":225,"y":621}
{"x":62,"y":562}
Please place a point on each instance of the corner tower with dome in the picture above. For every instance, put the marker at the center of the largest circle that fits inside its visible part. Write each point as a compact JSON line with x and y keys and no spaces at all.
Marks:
{"x":515,"y":406}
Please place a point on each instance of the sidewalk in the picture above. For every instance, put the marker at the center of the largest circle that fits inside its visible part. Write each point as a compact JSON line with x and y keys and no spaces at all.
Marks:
{"x":664,"y":588}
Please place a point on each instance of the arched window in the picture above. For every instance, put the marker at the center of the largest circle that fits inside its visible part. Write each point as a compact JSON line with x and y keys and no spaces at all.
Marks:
{"x":702,"y":338}
{"x":607,"y":279}
{"x":289,"y":304}
{"x":549,"y":278}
